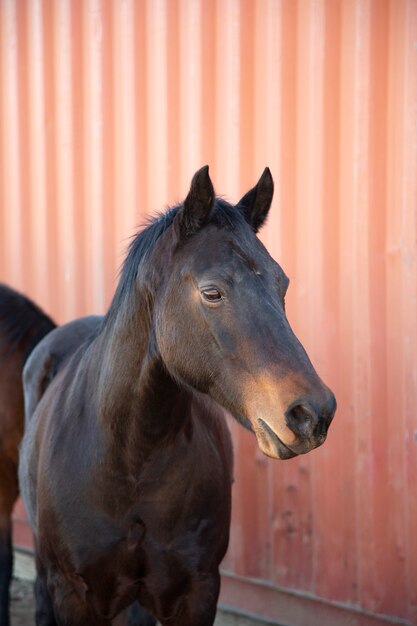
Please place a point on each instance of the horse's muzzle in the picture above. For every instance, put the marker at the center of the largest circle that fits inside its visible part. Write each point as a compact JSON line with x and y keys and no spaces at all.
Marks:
{"x":310,"y":422}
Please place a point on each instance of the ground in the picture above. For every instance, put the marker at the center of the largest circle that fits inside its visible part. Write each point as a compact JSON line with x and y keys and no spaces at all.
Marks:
{"x":22,"y":603}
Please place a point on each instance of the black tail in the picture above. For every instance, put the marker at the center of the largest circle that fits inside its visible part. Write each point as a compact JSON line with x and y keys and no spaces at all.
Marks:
{"x":21,"y":321}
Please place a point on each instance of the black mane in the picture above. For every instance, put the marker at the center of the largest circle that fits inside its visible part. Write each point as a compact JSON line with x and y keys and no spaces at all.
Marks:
{"x":20,"y":319}
{"x":225,"y":215}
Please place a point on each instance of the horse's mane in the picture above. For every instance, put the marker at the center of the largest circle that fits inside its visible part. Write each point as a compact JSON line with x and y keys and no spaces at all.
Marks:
{"x":224,"y":215}
{"x":21,"y":320}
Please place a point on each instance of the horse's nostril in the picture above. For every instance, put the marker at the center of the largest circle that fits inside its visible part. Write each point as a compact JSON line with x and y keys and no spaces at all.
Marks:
{"x":301,"y":419}
{"x":307,"y":421}
{"x":300,"y":412}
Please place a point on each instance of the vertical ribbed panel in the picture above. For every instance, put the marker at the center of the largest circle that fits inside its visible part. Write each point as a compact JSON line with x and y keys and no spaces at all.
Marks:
{"x":106,"y":110}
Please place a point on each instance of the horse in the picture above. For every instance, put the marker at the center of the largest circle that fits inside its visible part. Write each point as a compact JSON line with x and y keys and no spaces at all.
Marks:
{"x":22,"y":326}
{"x":126,"y":462}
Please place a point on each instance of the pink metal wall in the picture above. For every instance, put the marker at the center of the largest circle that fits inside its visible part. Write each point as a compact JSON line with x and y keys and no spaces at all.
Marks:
{"x":108,"y":107}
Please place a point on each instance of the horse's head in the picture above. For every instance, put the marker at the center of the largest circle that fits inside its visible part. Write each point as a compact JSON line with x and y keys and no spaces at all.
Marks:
{"x":221,"y":326}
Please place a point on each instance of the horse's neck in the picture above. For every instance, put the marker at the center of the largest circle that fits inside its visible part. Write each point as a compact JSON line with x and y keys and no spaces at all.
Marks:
{"x":136,"y":396}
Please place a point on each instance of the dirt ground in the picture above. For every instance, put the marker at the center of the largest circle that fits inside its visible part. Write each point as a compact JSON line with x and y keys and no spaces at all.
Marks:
{"x":22,"y":605}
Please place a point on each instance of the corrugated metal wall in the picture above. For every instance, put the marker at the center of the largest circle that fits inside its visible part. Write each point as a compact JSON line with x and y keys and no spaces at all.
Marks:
{"x":106,"y":110}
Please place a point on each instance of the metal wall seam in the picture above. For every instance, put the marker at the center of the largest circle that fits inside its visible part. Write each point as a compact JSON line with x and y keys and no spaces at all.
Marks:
{"x":64,"y":152}
{"x":157,"y":104}
{"x":405,"y":183}
{"x":11,"y":156}
{"x":94,"y":94}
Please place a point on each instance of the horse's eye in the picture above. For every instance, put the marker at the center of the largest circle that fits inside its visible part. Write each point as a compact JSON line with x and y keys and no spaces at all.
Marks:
{"x":211,"y":294}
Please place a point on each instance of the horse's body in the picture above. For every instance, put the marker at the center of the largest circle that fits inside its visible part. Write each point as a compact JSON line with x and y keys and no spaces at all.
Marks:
{"x":22,"y":326}
{"x":122,"y":507}
{"x":126,"y":463}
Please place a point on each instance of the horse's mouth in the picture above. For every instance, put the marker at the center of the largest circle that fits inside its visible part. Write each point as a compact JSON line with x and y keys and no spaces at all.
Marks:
{"x":270,"y":443}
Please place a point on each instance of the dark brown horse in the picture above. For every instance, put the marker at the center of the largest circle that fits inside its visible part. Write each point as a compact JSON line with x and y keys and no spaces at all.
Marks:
{"x":22,"y":326}
{"x":126,"y":463}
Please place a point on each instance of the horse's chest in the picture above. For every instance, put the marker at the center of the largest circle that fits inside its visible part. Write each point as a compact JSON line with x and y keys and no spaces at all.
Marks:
{"x":174,"y":533}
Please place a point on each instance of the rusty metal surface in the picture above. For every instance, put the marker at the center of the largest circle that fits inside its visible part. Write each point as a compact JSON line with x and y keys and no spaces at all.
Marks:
{"x":106,"y":110}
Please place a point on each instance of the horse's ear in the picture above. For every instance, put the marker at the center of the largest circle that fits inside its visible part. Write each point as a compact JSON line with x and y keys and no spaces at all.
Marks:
{"x":198,"y":205}
{"x":256,"y":203}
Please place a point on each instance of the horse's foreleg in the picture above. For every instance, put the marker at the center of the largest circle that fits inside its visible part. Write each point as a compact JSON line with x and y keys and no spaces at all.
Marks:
{"x":8,"y":495}
{"x":44,"y":615}
{"x":65,"y":604}
{"x":198,"y":608}
{"x":6,"y":567}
